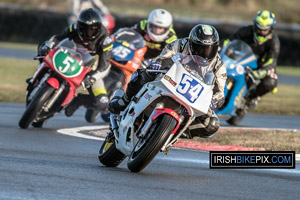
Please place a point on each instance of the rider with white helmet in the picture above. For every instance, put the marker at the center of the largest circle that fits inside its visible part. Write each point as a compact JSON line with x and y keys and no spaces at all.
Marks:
{"x":157,"y":31}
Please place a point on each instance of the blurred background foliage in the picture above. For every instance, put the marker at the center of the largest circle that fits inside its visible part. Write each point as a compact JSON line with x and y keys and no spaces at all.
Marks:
{"x":287,"y":11}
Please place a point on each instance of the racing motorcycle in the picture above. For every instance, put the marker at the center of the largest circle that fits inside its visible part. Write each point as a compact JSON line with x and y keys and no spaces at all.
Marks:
{"x":239,"y":61}
{"x":55,"y":82}
{"x":159,"y":113}
{"x":128,"y":52}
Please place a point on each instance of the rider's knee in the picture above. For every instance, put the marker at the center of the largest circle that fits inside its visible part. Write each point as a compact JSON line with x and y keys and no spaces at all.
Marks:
{"x":100,"y":102}
{"x":269,"y":83}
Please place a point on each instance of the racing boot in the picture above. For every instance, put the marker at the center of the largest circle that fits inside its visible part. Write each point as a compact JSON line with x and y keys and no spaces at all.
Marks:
{"x":118,"y":104}
{"x":75,"y":104}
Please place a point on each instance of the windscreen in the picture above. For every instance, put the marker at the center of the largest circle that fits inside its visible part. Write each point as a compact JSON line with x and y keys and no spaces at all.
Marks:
{"x":194,"y":64}
{"x":77,"y":51}
{"x":129,"y":38}
{"x":237,"y":50}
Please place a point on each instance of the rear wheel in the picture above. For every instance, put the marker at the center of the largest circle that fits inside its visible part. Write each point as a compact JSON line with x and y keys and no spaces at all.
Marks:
{"x":148,"y":146}
{"x":35,"y":106}
{"x":109,"y":155}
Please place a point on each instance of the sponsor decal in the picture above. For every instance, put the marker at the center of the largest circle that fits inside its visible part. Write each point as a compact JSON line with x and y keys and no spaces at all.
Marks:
{"x":238,"y":97}
{"x":166,"y":77}
{"x":148,"y":96}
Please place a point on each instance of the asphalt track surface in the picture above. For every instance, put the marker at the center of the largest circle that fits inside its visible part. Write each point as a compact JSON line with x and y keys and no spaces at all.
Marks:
{"x":44,"y":164}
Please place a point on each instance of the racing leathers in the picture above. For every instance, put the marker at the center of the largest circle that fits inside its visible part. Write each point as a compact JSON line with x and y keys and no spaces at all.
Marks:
{"x":153,"y":48}
{"x":267,"y":54}
{"x":101,"y":47}
{"x":203,"y":126}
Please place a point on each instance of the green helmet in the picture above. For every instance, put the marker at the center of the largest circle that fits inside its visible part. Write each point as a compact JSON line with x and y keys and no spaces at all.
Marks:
{"x":264,"y":22}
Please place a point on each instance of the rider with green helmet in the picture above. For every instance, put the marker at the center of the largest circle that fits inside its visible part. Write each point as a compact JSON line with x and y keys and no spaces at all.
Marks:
{"x":265,"y":45}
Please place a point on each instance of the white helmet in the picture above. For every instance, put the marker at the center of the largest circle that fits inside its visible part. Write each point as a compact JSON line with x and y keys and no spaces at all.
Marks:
{"x":159,"y":18}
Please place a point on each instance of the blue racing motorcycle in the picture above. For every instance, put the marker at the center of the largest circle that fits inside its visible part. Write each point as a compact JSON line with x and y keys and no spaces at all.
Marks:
{"x":239,"y":61}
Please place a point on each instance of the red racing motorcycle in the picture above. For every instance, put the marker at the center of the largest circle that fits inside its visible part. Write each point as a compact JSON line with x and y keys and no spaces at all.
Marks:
{"x":55,"y":82}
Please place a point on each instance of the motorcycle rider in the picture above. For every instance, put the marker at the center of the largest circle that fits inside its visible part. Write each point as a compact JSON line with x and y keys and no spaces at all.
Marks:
{"x":157,"y":31}
{"x":203,"y":40}
{"x":80,"y":5}
{"x":89,"y":32}
{"x":265,"y":44}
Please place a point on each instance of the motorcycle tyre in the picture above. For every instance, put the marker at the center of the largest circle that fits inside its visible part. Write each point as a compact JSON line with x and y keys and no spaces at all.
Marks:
{"x":236,"y":120}
{"x":110,"y":157}
{"x":35,"y":105}
{"x":91,"y":115}
{"x":137,"y":161}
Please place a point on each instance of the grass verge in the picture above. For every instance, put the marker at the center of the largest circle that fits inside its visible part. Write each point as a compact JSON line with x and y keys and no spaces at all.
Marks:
{"x":23,"y":46}
{"x":286,"y":101}
{"x":13,"y":74}
{"x":270,"y":140}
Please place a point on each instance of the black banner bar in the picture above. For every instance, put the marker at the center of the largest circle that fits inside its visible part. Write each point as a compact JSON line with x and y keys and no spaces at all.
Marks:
{"x":252,"y":159}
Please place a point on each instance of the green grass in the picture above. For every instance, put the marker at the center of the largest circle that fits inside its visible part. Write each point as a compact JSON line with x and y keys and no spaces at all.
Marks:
{"x":271,"y":140}
{"x":225,"y":10}
{"x":13,"y":74}
{"x":24,"y":46}
{"x":288,"y":71}
{"x":285,"y":101}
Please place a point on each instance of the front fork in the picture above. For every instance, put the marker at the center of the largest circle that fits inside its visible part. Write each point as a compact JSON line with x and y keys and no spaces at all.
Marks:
{"x":53,"y":99}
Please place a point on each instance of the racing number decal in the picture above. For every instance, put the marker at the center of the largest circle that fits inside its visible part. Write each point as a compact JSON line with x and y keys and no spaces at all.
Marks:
{"x":66,"y":65}
{"x":67,"y":62}
{"x":121,"y":52}
{"x":190,"y":88}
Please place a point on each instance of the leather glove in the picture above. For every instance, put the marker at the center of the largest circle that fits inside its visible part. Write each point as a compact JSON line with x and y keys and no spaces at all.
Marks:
{"x":43,"y":50}
{"x":45,"y":47}
{"x":88,"y":81}
{"x":154,"y":66}
{"x":259,"y":74}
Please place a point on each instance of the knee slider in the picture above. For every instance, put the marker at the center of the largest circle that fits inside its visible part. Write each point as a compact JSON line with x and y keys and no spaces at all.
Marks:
{"x":100,"y":102}
{"x":270,"y":83}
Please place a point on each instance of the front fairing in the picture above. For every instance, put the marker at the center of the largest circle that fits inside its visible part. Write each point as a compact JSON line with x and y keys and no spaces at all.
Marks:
{"x":71,"y":61}
{"x":236,"y":56}
{"x":188,"y":80}
{"x":128,"y":49}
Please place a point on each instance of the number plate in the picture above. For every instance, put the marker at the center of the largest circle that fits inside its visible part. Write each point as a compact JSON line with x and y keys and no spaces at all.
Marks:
{"x":122,"y":53}
{"x":190,"y":88}
{"x":66,"y":65}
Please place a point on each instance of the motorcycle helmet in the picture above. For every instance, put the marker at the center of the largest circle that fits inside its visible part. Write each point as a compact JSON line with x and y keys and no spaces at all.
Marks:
{"x":159,"y":22}
{"x":204,"y":41}
{"x":264,"y":22}
{"x":89,"y":24}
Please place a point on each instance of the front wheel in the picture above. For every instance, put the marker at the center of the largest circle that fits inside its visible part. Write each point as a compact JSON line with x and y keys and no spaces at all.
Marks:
{"x":147,"y":147}
{"x":35,"y":106}
{"x":109,"y":155}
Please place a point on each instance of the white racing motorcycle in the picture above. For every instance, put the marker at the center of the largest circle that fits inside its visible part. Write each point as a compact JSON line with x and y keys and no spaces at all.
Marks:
{"x":159,"y":113}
